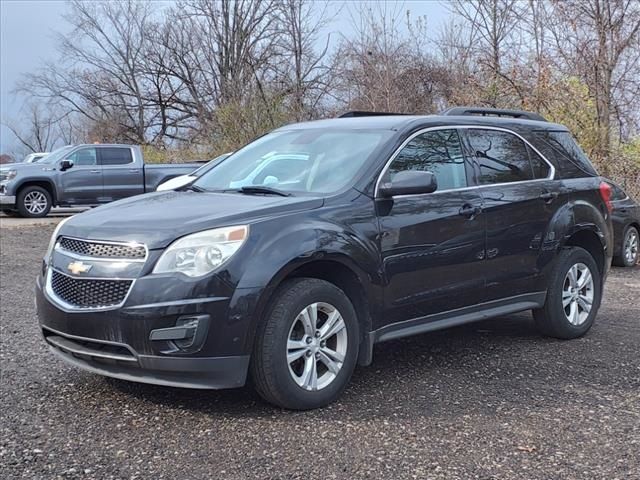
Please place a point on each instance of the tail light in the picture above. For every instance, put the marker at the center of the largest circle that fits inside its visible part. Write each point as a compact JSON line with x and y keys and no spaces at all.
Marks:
{"x":605,"y":193}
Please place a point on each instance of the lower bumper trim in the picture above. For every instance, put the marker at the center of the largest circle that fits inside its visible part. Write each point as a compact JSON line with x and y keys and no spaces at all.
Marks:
{"x":172,"y":371}
{"x":7,"y":201}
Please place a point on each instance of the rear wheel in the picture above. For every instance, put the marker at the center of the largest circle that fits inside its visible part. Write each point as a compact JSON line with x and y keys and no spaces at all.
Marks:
{"x":573,"y":296}
{"x":306,"y":350}
{"x":33,"y":202}
{"x":629,"y":248}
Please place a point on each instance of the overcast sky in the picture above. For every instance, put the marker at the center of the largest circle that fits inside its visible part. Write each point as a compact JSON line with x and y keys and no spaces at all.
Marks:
{"x":27,"y":32}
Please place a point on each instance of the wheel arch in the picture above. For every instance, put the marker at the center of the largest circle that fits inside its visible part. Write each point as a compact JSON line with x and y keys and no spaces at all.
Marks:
{"x":45,"y":183}
{"x":591,"y":241}
{"x":339,"y":270}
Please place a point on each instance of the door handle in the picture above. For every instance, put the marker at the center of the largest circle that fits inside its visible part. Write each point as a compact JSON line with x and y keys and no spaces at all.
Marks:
{"x":94,"y":171}
{"x":549,"y":197}
{"x":134,"y":170}
{"x":469,"y":211}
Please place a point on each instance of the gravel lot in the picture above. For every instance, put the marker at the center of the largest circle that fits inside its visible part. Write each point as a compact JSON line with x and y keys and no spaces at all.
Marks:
{"x":491,"y":400}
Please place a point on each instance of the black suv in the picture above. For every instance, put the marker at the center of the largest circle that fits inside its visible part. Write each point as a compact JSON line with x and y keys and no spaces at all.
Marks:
{"x":293,"y":258}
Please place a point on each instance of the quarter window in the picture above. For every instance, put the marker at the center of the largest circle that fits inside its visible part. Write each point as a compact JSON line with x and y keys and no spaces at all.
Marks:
{"x":84,"y":156}
{"x":115,"y":156}
{"x":438,"y":152}
{"x":502,"y":157}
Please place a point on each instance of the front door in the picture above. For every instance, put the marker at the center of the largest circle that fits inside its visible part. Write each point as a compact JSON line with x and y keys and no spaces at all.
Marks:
{"x":82,"y":183}
{"x":122,"y":177}
{"x":432,"y":244}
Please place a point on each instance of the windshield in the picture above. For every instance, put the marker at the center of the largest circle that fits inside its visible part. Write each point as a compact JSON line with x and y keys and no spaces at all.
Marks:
{"x":297,"y":161}
{"x":209,"y":165}
{"x":56,"y":155}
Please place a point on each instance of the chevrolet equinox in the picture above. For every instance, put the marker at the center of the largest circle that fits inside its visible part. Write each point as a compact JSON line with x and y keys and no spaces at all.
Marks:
{"x":289,"y":261}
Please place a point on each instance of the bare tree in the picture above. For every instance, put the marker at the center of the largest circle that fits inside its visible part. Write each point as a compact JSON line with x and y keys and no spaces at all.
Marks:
{"x":101,"y":70}
{"x":39,"y":133}
{"x":600,"y":41}
{"x":382,"y":68}
{"x":492,"y":26}
{"x":306,"y":74}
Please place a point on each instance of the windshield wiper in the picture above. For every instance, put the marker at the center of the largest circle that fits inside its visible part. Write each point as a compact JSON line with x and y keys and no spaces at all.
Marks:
{"x":263,"y":189}
{"x":193,"y":188}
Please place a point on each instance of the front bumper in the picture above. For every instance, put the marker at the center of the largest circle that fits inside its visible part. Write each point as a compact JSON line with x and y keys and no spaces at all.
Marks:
{"x":7,"y":202}
{"x":111,"y":361}
{"x":124,"y":343}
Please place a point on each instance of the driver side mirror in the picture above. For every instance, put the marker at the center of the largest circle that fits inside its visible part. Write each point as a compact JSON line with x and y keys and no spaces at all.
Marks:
{"x":66,"y":165}
{"x":410,"y":182}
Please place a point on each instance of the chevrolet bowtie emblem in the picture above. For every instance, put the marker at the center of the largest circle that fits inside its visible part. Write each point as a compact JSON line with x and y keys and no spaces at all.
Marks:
{"x":78,"y":267}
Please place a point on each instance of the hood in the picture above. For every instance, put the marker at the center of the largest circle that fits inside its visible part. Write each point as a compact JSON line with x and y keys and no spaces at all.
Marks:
{"x":157,"y":219}
{"x":27,"y":167}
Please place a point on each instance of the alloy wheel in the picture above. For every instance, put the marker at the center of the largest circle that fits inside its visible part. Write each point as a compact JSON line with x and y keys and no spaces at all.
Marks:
{"x":578,"y":293}
{"x":35,"y":202}
{"x":317,"y":346}
{"x":631,"y":247}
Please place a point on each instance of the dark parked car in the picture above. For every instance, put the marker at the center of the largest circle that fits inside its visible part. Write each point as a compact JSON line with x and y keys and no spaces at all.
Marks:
{"x":81,"y":175}
{"x":365,"y":229}
{"x":626,"y":225}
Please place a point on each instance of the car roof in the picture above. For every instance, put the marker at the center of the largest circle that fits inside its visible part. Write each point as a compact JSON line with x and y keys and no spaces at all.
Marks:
{"x":401,"y":122}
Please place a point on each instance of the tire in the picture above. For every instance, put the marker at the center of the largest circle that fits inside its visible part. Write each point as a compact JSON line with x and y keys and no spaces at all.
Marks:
{"x":553,"y":318}
{"x":33,"y":202}
{"x":271,"y":372}
{"x":631,"y":241}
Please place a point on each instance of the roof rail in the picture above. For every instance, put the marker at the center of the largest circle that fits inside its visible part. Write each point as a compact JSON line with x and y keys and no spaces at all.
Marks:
{"x":361,"y":113}
{"x":498,"y":112}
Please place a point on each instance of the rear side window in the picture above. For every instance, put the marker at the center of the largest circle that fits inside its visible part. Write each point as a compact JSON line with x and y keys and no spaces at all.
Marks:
{"x":571,"y":159}
{"x":115,"y":156}
{"x":438,"y":152}
{"x":501,"y":156}
{"x":617,"y":193}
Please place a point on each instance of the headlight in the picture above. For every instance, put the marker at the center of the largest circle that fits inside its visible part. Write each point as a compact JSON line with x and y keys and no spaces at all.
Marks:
{"x":54,"y":237}
{"x":8,"y":174}
{"x":201,"y":253}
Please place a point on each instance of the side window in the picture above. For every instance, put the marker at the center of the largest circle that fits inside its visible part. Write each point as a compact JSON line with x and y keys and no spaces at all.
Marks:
{"x":540,"y":167}
{"x":617,"y":193}
{"x":564,"y":146}
{"x":84,"y":156}
{"x":502,"y":157}
{"x":438,"y":152}
{"x":115,"y":156}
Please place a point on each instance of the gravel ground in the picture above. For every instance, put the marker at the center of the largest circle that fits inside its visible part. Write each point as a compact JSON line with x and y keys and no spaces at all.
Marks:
{"x":491,"y":400}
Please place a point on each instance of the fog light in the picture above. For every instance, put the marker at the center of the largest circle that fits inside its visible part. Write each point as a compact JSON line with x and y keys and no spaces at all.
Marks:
{"x":186,"y":337}
{"x":191,"y":326}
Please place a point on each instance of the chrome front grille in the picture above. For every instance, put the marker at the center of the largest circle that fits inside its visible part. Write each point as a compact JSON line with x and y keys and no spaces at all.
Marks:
{"x":90,"y":248}
{"x":89,"y":293}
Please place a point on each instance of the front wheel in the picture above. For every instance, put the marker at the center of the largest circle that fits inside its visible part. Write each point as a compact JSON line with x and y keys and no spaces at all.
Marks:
{"x":33,"y":202}
{"x":629,"y":248}
{"x":573,"y":296}
{"x":306,"y":349}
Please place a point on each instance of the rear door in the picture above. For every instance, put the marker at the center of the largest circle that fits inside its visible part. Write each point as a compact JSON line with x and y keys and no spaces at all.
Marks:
{"x":520,"y":198}
{"x":82,"y":183}
{"x":122,"y":177}
{"x":432,"y":244}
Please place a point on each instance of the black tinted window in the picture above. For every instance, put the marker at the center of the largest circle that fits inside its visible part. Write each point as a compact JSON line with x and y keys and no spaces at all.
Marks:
{"x":115,"y":156}
{"x":501,"y":156}
{"x":570,"y":155}
{"x":439,"y":152}
{"x":617,"y":193}
{"x":540,"y":167}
